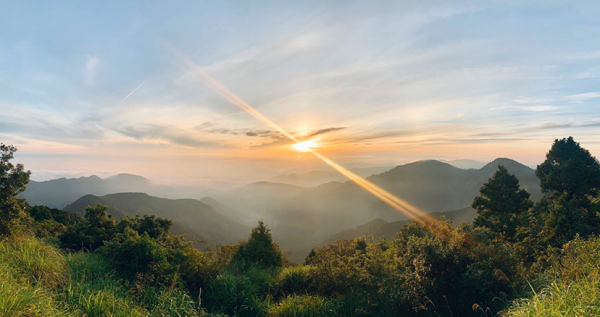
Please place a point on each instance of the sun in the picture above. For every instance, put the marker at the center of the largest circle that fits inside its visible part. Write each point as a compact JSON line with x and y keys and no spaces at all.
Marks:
{"x":305,"y":146}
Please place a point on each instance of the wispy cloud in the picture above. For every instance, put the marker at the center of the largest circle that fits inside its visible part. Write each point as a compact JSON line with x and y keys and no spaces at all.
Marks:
{"x":91,"y":66}
{"x":536,"y":108}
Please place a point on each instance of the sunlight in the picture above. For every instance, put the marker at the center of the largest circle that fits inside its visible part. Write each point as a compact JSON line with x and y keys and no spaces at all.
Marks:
{"x":305,"y":146}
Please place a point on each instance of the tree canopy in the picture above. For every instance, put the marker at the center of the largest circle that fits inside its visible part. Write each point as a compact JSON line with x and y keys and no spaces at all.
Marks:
{"x":569,"y":169}
{"x":13,"y":179}
{"x":502,"y":204}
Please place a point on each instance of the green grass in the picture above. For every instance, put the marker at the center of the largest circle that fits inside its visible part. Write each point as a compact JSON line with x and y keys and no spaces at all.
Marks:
{"x":37,"y":279}
{"x":303,"y":306}
{"x":575,"y":288}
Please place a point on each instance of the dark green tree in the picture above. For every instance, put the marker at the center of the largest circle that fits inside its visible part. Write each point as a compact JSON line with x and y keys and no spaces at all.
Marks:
{"x":570,"y":178}
{"x":259,"y":250}
{"x":97,"y":226}
{"x":13,"y":179}
{"x":502,"y":204}
{"x":569,"y":169}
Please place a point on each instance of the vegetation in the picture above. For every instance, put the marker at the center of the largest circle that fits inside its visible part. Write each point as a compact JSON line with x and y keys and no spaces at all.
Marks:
{"x":516,"y":259}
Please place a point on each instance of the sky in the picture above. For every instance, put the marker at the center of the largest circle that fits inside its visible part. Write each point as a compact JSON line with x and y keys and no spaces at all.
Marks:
{"x":102,"y":87}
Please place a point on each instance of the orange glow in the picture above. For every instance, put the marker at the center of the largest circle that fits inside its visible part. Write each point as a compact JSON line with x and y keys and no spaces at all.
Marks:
{"x":398,"y":204}
{"x":305,"y":146}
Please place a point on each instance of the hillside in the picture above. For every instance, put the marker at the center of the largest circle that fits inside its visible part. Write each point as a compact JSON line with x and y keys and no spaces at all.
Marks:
{"x":57,"y":193}
{"x":431,"y":186}
{"x":316,"y":178}
{"x":379,"y":228}
{"x":191,"y":216}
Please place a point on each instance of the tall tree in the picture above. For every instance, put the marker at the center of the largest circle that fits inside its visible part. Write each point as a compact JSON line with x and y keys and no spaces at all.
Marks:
{"x":502,"y":205}
{"x":570,"y":178}
{"x":569,"y":169}
{"x":259,"y":250}
{"x":13,"y":179}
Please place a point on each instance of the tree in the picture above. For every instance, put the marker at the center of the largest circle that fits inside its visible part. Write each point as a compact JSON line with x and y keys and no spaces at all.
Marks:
{"x":13,"y":179}
{"x":569,"y":169}
{"x":502,"y":204}
{"x":570,"y":177}
{"x":259,"y":250}
{"x":96,"y":227}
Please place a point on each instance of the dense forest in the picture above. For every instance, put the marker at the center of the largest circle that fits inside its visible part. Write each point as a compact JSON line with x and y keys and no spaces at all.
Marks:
{"x":517,"y":258}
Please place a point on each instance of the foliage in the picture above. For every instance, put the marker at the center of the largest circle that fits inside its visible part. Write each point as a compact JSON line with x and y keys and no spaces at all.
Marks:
{"x":303,"y":306}
{"x":51,"y":222}
{"x":574,"y":289}
{"x":13,"y":179}
{"x":96,"y":227}
{"x":140,"y":257}
{"x":569,"y":169}
{"x":259,"y":250}
{"x":570,"y":177}
{"x":502,"y":206}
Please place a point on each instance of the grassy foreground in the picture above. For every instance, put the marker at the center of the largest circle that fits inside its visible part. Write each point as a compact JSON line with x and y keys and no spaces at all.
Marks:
{"x":573,"y":288}
{"x":37,"y":279}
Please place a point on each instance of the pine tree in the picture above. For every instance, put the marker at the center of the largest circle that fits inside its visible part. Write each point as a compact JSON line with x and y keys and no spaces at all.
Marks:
{"x":502,"y":205}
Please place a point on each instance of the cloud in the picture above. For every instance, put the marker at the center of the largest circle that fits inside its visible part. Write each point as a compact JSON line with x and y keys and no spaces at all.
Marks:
{"x":537,"y":108}
{"x":91,"y":67}
{"x":585,"y":96}
{"x":172,"y":135}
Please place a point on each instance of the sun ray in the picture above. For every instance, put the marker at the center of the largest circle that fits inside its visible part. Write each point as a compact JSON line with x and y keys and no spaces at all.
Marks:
{"x":398,"y":204}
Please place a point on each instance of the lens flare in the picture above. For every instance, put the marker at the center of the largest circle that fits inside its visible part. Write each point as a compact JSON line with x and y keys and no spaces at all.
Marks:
{"x":305,"y":146}
{"x":398,"y":204}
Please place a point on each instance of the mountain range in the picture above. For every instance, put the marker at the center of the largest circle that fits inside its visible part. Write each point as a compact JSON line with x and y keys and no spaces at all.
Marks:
{"x":299,"y":216}
{"x":190,"y":217}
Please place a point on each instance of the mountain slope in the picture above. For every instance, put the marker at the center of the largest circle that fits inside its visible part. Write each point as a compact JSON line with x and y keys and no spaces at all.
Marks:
{"x":431,"y":186}
{"x":192,"y":215}
{"x":57,"y":193}
{"x":379,"y":228}
{"x":316,"y":178}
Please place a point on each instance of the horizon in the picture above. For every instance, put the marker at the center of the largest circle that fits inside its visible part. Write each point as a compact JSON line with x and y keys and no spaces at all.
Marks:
{"x":99,"y":91}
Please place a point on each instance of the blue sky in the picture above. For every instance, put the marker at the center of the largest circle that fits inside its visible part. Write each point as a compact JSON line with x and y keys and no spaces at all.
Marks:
{"x":96,"y":88}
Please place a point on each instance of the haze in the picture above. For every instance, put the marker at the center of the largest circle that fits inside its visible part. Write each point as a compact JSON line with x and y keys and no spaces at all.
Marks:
{"x":95,"y":88}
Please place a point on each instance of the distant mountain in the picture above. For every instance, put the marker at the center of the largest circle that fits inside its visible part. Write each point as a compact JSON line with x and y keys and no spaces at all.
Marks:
{"x":189,"y":216}
{"x":309,"y":216}
{"x":379,"y":228}
{"x":315,"y":178}
{"x":58,"y":193}
{"x":466,"y":164}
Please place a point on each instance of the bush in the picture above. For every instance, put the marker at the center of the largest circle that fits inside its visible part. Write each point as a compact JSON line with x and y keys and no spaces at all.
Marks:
{"x":239,"y":295}
{"x":303,"y":306}
{"x":140,"y":258}
{"x":95,"y":291}
{"x":295,"y":280}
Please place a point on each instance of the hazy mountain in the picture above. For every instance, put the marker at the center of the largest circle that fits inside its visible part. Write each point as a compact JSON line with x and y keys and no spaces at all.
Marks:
{"x":466,"y":164}
{"x":379,"y":228}
{"x":197,"y":218}
{"x":310,"y":216}
{"x":58,"y":193}
{"x":315,"y":178}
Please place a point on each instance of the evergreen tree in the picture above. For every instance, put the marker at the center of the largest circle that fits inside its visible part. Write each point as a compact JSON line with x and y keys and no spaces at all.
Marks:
{"x":502,"y":205}
{"x":569,"y":169}
{"x":259,"y":250}
{"x":13,"y":179}
{"x":570,"y":178}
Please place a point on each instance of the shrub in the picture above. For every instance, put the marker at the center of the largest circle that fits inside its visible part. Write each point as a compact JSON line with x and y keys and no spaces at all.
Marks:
{"x":303,"y":306}
{"x":140,"y":258}
{"x":296,"y":280}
